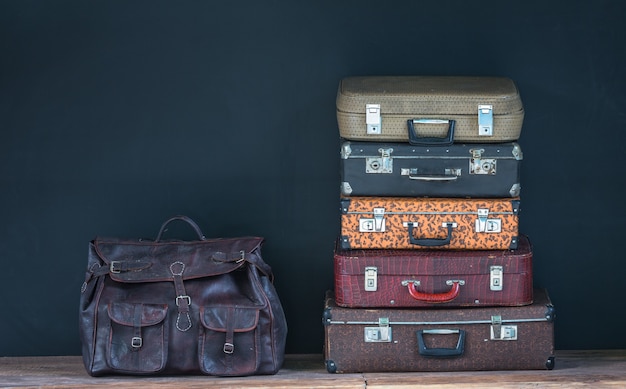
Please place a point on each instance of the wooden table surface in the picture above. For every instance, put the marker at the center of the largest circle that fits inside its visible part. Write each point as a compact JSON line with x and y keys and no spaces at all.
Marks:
{"x":573,"y":369}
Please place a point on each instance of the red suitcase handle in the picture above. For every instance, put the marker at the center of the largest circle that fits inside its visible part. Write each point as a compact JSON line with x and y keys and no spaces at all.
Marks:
{"x":435,"y":297}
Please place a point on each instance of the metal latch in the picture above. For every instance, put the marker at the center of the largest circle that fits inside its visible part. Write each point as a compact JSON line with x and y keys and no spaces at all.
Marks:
{"x":495,"y":278}
{"x":479,"y":165}
{"x":136,"y":342}
{"x":372,"y":119}
{"x":382,"y":333}
{"x":485,"y":120}
{"x":484,"y":224}
{"x":376,"y":224}
{"x":502,"y":332}
{"x":382,"y":164}
{"x":371,"y":279}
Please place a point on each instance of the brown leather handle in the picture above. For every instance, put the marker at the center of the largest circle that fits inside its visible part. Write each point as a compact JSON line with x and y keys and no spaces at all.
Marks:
{"x":436,"y":297}
{"x":184,"y":218}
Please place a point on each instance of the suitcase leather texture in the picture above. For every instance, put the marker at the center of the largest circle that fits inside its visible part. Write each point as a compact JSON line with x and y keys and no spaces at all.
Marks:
{"x":433,"y":278}
{"x":403,"y":98}
{"x":454,"y":339}
{"x":373,"y":222}
{"x":457,"y":170}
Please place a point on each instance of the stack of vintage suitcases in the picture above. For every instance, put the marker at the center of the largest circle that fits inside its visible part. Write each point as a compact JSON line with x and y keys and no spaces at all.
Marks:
{"x":431,"y":272}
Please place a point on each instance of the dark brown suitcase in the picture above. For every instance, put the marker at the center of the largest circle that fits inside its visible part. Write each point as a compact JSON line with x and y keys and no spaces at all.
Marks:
{"x":393,"y":340}
{"x":434,"y":278}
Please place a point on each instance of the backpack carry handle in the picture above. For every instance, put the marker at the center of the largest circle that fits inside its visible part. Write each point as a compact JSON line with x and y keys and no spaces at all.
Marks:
{"x":184,"y":218}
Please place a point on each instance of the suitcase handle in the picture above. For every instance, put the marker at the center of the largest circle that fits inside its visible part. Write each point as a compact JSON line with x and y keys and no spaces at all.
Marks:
{"x":430,"y":242}
{"x":434,"y":177}
{"x":186,"y":219}
{"x":441,"y":352}
{"x":430,"y":141}
{"x":435,"y":297}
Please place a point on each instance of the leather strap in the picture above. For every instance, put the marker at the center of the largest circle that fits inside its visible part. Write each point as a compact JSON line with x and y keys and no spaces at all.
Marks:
{"x":137,"y":341}
{"x":183,"y":301}
{"x":229,"y":346}
{"x":244,"y":256}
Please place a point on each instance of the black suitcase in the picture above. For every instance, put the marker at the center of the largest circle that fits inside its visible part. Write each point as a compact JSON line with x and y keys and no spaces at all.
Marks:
{"x":367,"y":340}
{"x":457,"y":170}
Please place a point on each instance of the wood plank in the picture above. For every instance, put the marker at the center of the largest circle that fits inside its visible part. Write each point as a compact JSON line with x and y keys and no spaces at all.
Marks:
{"x":597,"y":369}
{"x":299,"y":371}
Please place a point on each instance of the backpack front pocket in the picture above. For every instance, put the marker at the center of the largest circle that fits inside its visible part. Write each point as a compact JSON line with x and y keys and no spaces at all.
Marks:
{"x":229,"y":345}
{"x":138,"y":337}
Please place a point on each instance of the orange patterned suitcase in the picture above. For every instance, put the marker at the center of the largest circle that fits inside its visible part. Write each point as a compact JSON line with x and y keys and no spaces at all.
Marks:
{"x":369,"y":222}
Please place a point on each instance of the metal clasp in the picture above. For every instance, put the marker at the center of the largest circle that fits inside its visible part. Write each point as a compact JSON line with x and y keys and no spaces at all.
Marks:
{"x":373,"y":119}
{"x":495,"y":278}
{"x":136,"y":342}
{"x":382,"y":164}
{"x":229,"y":348}
{"x":113,"y":267}
{"x":485,"y":120}
{"x":484,"y":224}
{"x":375,"y":224}
{"x":479,"y":165}
{"x":371,"y":279}
{"x":502,"y":332}
{"x":382,"y":333}
{"x":187,"y":298}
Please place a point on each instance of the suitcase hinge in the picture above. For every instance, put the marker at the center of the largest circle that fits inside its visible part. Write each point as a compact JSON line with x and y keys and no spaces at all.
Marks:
{"x":382,"y":164}
{"x":372,"y":119}
{"x":371,"y":279}
{"x":485,"y":120}
{"x":484,"y":224}
{"x":495,"y":278}
{"x":346,"y":188}
{"x":346,"y":150}
{"x":517,"y":152}
{"x":502,"y":332}
{"x":376,"y":224}
{"x":382,"y":333}
{"x":479,"y":165}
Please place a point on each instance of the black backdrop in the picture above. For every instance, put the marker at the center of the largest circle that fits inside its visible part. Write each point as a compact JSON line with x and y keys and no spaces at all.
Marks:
{"x":115,"y":115}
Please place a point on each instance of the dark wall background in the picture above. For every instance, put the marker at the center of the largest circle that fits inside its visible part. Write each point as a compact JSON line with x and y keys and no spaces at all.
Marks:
{"x":115,"y":115}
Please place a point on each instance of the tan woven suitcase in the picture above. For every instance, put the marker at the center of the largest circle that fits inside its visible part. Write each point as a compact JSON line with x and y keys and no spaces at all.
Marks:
{"x":429,"y":109}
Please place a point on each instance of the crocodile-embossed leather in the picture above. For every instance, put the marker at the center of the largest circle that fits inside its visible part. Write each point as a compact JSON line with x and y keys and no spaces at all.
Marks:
{"x":432,"y":268}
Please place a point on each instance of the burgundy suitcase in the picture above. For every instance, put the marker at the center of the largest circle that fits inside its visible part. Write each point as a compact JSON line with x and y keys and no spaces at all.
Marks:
{"x":369,"y":340}
{"x":434,"y":278}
